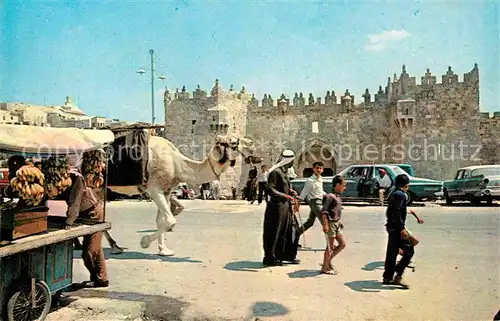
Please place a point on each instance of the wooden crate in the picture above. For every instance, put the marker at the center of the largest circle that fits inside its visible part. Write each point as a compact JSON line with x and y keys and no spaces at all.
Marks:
{"x":16,"y":225}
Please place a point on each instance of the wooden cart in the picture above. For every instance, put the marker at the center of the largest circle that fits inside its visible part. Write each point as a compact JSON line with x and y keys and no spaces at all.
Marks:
{"x":36,"y":268}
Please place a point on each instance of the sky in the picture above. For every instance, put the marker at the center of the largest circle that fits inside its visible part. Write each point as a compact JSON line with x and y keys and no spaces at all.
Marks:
{"x":91,"y":50}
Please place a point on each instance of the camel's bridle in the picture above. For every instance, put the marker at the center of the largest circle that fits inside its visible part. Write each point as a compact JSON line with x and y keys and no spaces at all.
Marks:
{"x":224,"y":146}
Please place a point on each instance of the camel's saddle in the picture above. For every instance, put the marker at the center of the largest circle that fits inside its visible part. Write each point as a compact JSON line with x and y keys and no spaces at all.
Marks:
{"x":127,"y":165}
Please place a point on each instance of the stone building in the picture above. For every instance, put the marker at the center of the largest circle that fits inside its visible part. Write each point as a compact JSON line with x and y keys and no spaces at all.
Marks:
{"x":66,"y":115}
{"x":436,"y":127}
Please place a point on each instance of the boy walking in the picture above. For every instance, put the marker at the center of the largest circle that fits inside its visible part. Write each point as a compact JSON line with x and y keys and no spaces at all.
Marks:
{"x":313,"y":193}
{"x":398,"y":235}
{"x":331,"y":214}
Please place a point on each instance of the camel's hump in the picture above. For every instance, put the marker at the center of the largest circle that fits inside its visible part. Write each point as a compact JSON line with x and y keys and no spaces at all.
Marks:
{"x":153,"y":140}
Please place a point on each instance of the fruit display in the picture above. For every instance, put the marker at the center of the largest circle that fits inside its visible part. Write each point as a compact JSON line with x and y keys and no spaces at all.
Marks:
{"x":56,"y":172}
{"x":29,"y":182}
{"x":92,"y":167}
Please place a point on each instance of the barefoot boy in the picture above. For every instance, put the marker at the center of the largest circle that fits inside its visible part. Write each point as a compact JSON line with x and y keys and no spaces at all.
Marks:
{"x":398,"y":234}
{"x":330,"y":219}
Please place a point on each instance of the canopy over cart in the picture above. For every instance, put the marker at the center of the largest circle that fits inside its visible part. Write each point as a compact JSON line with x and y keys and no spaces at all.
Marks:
{"x":51,"y":141}
{"x":35,"y":267}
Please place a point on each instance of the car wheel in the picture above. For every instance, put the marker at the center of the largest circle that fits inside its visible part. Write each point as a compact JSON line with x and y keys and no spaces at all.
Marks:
{"x":475,"y":201}
{"x":411,"y":198}
{"x":448,"y":199}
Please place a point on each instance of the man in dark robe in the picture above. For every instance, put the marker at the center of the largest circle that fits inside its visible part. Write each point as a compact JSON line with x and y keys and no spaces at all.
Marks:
{"x":252,"y":185}
{"x":280,"y":225}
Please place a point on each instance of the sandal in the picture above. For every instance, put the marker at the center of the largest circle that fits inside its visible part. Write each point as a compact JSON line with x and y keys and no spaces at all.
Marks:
{"x":330,"y":272}
{"x":330,"y":267}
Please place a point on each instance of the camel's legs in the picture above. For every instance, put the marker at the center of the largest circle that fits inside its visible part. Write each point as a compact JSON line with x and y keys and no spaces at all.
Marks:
{"x":164,"y":221}
{"x":115,"y":249}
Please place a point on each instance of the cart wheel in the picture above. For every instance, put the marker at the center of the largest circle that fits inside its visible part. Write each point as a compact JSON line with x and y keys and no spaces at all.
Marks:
{"x":20,"y":306}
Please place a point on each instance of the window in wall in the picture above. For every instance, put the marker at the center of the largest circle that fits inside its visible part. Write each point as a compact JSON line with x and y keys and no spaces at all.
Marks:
{"x":315,"y":127}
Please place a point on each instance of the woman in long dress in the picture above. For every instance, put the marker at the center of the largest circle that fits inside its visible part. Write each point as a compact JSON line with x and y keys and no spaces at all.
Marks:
{"x":280,"y":226}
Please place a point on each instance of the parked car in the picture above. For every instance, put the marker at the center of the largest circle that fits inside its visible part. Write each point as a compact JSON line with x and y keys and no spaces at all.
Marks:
{"x":362,"y":183}
{"x":406,"y":167}
{"x":474,"y":184}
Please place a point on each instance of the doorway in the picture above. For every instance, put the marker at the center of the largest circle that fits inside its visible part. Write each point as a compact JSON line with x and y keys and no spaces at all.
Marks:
{"x":314,"y":154}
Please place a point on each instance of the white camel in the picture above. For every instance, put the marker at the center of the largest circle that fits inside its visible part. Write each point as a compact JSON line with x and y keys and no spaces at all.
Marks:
{"x":167,"y":167}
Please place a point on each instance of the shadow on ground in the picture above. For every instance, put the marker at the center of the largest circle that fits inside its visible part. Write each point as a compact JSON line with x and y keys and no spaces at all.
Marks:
{"x":369,"y":286}
{"x":268,"y":309}
{"x":308,"y":249}
{"x":302,"y":274}
{"x":131,"y":255}
{"x":157,"y":307}
{"x":147,"y":231}
{"x":468,"y":204}
{"x":372,"y":266}
{"x":245,"y":266}
{"x":347,"y":203}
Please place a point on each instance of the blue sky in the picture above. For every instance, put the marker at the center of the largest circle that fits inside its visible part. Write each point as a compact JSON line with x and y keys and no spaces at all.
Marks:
{"x":91,"y":49}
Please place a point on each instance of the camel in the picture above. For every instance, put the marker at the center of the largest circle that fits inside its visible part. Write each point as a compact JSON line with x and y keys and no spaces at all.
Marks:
{"x":167,"y":167}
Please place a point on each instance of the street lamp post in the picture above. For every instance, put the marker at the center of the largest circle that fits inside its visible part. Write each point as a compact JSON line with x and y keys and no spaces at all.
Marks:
{"x":151,"y":52}
{"x":162,"y":77}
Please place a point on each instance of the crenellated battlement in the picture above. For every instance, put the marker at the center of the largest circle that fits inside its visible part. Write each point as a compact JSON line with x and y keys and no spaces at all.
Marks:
{"x":217,"y":93}
{"x":407,"y":86}
{"x":488,"y":117}
{"x":402,"y":87}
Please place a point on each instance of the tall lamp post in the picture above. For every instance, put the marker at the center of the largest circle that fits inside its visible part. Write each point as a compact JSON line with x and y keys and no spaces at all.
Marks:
{"x":161,"y":77}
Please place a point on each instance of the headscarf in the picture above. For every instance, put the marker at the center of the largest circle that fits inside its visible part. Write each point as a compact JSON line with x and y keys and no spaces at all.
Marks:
{"x":286,"y":157}
{"x":291,"y":173}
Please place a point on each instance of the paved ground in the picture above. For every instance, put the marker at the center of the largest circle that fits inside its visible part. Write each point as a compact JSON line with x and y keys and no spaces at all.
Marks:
{"x":217,"y":275}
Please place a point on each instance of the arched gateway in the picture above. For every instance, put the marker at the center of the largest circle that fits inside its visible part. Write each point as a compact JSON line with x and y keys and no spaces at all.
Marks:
{"x":314,"y":153}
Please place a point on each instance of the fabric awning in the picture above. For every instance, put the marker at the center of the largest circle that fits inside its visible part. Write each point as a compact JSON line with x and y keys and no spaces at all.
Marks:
{"x":48,"y":140}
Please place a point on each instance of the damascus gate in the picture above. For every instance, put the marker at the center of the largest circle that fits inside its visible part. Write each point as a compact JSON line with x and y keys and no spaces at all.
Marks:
{"x":435,"y":124}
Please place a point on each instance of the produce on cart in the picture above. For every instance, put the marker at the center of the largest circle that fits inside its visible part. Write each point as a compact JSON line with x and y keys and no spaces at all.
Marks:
{"x":29,"y":182}
{"x":56,"y":173}
{"x":36,"y":252}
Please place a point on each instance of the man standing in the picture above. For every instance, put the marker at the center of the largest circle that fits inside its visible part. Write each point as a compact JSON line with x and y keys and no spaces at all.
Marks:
{"x":313,"y":193}
{"x":280,"y":239}
{"x":84,"y":201}
{"x":205,"y":190}
{"x":251,"y":188}
{"x":262,"y":180}
{"x":384,"y":183}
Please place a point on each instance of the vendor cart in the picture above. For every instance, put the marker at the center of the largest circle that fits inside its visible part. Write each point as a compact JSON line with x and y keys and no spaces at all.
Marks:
{"x":36,"y":254}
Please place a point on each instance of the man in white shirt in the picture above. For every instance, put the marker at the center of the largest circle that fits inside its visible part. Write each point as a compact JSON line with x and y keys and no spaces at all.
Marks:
{"x":313,"y":193}
{"x":384,"y":183}
{"x":262,"y":182}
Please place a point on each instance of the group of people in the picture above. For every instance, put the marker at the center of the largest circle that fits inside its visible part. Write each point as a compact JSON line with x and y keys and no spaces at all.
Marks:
{"x":257,"y":182}
{"x":256,"y":186}
{"x":281,"y":229}
{"x":210,"y":190}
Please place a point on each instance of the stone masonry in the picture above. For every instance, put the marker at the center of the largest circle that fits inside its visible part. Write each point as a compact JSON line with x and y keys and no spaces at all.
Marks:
{"x":435,"y":127}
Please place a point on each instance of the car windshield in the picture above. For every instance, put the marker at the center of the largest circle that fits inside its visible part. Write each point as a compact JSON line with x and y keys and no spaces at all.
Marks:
{"x":398,"y":171}
{"x":487,"y":171}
